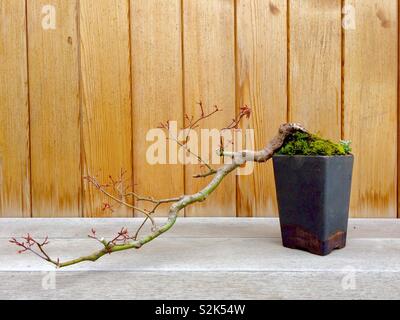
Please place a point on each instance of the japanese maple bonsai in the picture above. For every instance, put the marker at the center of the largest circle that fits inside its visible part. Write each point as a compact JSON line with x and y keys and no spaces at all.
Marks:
{"x":115,"y":191}
{"x":313,"y":182}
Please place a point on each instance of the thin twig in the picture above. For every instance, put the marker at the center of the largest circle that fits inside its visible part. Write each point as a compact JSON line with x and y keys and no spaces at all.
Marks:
{"x":105,"y":192}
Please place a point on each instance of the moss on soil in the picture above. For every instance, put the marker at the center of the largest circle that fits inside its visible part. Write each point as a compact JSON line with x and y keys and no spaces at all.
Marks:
{"x":301,"y":143}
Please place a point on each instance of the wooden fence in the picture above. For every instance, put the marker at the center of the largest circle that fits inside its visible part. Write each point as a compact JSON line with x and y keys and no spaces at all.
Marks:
{"x":77,"y":97}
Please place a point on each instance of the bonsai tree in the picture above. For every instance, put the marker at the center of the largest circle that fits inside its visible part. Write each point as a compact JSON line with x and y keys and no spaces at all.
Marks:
{"x":295,"y":137}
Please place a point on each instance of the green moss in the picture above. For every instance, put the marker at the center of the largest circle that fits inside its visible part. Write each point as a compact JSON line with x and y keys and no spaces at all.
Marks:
{"x":301,"y":143}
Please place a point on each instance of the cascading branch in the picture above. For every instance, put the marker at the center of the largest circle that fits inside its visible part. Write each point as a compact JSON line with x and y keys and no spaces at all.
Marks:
{"x":115,"y":192}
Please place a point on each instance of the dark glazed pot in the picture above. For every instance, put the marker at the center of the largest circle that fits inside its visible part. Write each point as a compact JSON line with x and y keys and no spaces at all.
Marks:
{"x":313,"y":200}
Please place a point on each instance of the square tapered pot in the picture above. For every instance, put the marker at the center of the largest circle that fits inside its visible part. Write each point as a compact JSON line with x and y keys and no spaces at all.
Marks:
{"x":313,"y":199}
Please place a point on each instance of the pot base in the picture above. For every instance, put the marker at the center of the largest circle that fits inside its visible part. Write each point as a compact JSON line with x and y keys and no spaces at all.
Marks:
{"x":295,"y":237}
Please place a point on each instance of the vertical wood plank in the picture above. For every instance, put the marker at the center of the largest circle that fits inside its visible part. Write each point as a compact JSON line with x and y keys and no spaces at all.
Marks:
{"x":209,"y":76}
{"x":370,"y":106}
{"x":106,"y":97}
{"x":14,"y":114}
{"x":315,"y":65}
{"x":262,"y":84}
{"x":156,"y":90}
{"x":54,"y":106}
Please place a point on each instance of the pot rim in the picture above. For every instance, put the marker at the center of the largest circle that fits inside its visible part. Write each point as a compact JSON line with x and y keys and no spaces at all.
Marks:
{"x":313,"y":156}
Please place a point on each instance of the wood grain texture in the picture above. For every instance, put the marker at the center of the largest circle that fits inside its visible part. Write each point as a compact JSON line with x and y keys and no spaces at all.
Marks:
{"x":209,"y":76}
{"x":206,"y":285}
{"x":315,"y":65}
{"x":54,"y":110}
{"x":370,"y":104}
{"x":14,"y":115}
{"x":209,"y":253}
{"x":191,"y":261}
{"x":106,"y":97}
{"x":215,"y":227}
{"x":112,"y":69}
{"x":156,"y":91}
{"x":262,"y":85}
